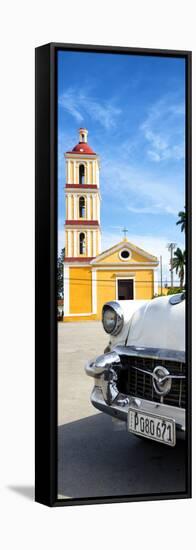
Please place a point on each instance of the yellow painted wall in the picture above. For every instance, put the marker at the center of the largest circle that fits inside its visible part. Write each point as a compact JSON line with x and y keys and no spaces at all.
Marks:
{"x":80,"y":290}
{"x":106,"y":286}
{"x":106,"y":289}
{"x":144,"y":284}
{"x":79,"y":319}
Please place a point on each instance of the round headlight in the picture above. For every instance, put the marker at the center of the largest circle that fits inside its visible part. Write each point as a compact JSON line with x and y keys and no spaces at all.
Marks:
{"x":109,"y":320}
{"x":112,"y":318}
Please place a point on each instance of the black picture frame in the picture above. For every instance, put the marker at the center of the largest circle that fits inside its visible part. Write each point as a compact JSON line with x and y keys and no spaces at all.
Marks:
{"x":45,"y":271}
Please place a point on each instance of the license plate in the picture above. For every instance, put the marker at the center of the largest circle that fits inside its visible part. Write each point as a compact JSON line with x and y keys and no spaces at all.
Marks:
{"x":152,"y":426}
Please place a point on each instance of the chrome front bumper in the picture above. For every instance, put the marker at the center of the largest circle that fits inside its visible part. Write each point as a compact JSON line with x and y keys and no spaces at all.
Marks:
{"x":119,"y":409}
{"x":106,"y":397}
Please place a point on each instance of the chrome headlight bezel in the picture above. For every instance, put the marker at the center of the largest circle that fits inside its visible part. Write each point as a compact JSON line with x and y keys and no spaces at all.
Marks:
{"x":119,"y":318}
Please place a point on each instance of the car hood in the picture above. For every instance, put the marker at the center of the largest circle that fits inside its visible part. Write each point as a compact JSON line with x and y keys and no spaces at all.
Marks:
{"x":160,"y":324}
{"x":155,"y":323}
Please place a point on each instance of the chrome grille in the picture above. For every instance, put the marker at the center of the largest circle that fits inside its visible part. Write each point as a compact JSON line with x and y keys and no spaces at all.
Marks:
{"x":139,"y":384}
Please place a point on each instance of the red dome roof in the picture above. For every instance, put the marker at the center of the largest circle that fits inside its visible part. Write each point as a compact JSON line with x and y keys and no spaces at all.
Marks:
{"x":82,"y":148}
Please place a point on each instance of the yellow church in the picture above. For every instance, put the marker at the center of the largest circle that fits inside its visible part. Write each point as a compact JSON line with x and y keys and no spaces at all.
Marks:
{"x":92,"y":277}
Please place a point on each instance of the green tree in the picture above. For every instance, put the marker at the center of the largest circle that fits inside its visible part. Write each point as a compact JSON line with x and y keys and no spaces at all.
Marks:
{"x":174,"y":290}
{"x":179,"y":264}
{"x":182,"y":220}
{"x":60,"y":264}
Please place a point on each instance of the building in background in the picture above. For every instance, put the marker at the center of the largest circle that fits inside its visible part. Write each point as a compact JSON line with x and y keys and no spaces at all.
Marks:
{"x":92,"y":277}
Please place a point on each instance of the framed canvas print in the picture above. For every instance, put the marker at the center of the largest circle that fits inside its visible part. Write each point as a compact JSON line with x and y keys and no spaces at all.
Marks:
{"x":113,"y":274}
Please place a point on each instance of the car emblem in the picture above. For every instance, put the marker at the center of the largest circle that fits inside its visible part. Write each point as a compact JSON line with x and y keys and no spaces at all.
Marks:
{"x":161,"y":380}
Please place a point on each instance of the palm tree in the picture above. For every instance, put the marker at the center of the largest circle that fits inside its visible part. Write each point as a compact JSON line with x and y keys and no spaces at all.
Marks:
{"x":182,"y":220}
{"x":179,"y":264}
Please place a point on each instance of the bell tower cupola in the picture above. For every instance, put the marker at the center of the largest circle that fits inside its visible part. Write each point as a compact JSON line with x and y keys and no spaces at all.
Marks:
{"x":83,"y":135}
{"x":82,"y":202}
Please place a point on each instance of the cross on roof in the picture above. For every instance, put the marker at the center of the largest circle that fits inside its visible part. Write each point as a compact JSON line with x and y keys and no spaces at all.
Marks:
{"x":125,"y":231}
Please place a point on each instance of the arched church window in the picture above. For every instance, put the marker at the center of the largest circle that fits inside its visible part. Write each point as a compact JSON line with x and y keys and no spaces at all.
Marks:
{"x":81,"y":174}
{"x":82,"y":207}
{"x":82,"y":243}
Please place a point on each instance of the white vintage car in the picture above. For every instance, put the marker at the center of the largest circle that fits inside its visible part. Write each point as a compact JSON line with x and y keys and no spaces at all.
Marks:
{"x":141,"y":378}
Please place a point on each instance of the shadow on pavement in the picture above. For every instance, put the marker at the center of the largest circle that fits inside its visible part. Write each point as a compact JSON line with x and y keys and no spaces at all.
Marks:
{"x":96,"y":460}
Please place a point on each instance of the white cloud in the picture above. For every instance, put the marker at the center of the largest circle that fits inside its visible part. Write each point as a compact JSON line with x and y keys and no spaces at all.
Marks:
{"x":163,"y":130}
{"x":81,"y":104}
{"x":151,"y":209}
{"x":139,"y":191}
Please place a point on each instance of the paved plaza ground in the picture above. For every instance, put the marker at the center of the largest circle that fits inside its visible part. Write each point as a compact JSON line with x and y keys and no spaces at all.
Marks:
{"x":94,"y":459}
{"x":77,"y":342}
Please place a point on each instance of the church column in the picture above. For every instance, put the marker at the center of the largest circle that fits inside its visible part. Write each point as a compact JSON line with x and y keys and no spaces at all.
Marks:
{"x":94,"y":173}
{"x":94,"y":243}
{"x":75,"y":198}
{"x":66,"y":207}
{"x":69,"y":241}
{"x":88,"y":244}
{"x":69,"y":212}
{"x":97,"y":172}
{"x":94,"y":291}
{"x":75,"y":243}
{"x":94,"y":207}
{"x":74,"y":171}
{"x":98,"y":208}
{"x":87,"y":173}
{"x":91,"y":173}
{"x":88,"y":207}
{"x":68,"y":171}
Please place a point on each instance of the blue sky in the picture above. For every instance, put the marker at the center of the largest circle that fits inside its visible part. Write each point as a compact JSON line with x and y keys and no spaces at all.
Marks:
{"x":134,"y":109}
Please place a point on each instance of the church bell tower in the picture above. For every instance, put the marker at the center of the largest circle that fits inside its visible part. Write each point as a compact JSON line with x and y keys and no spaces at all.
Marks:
{"x":82,"y":198}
